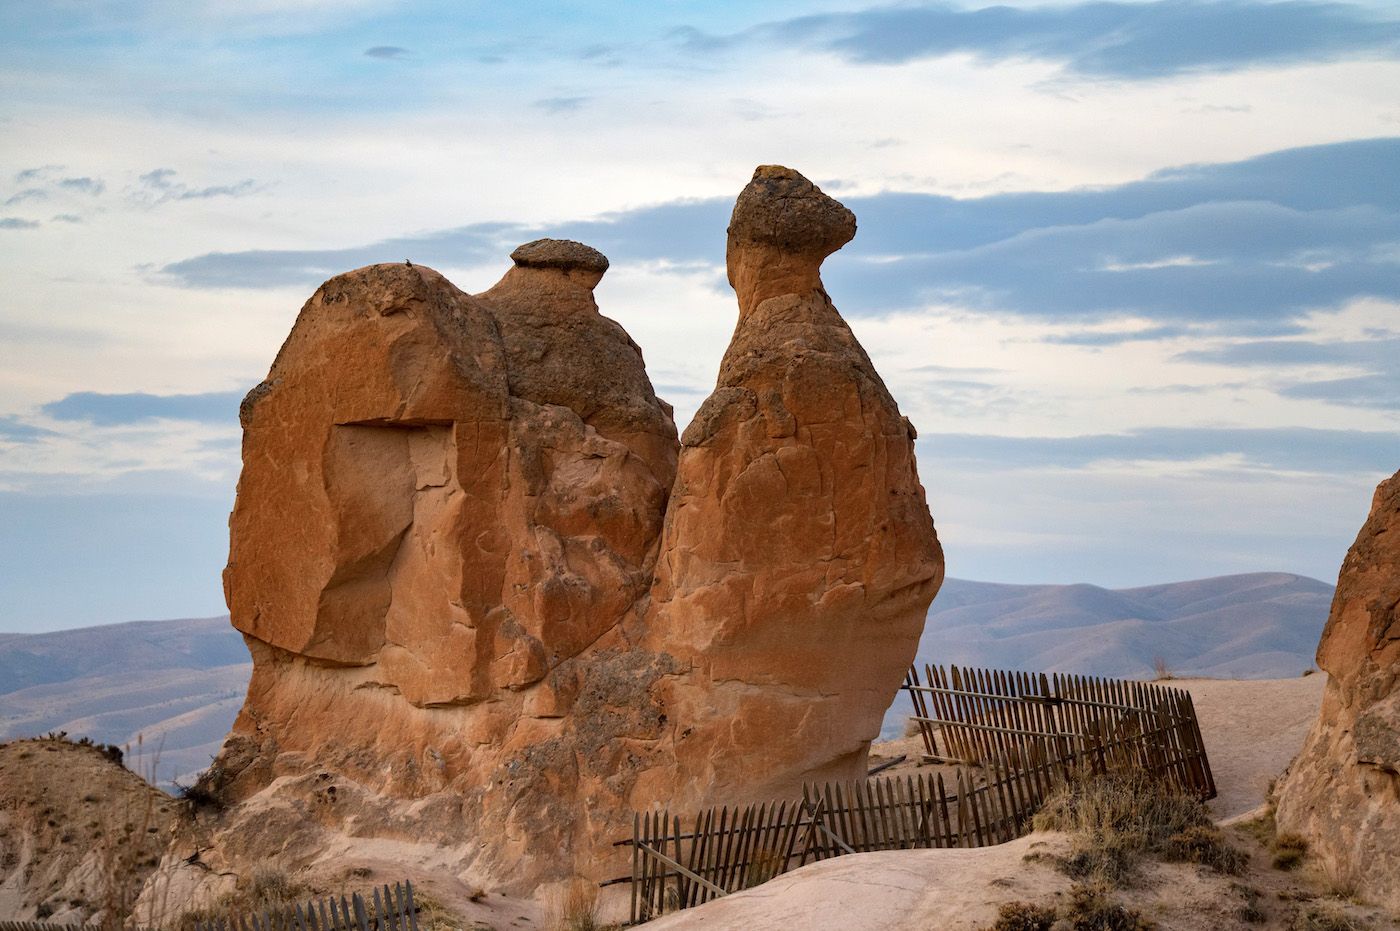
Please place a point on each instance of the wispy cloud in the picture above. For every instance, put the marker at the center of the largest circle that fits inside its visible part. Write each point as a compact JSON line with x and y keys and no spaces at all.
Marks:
{"x":15,"y":223}
{"x":160,"y":186}
{"x":83,"y":185}
{"x":387,"y":52}
{"x":561,"y":104}
{"x":15,"y":430}
{"x":1119,"y":40}
{"x":115,"y":409}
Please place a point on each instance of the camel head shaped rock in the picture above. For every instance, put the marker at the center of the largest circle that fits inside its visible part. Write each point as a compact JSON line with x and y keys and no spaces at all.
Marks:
{"x":495,"y":604}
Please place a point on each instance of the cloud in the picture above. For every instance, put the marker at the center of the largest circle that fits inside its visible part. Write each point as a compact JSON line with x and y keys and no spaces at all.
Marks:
{"x":84,"y":185}
{"x":1380,"y":390}
{"x":561,"y":104}
{"x":20,"y":197}
{"x":42,"y":184}
{"x":1116,"y":40}
{"x":1247,"y":246}
{"x":1377,"y":388}
{"x":118,"y":409}
{"x":1297,"y":449}
{"x":33,"y":174}
{"x":15,"y":223}
{"x":387,"y":52}
{"x":1283,"y":352}
{"x":15,"y":430}
{"x":67,"y":218}
{"x":159,"y":186}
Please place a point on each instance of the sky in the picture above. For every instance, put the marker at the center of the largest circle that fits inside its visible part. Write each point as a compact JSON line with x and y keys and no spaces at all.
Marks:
{"x":1132,"y":268}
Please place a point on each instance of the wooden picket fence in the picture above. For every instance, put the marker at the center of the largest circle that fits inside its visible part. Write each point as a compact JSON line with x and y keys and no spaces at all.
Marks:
{"x":680,"y":863}
{"x":972,"y":715}
{"x":392,"y":911}
{"x":1006,"y":741}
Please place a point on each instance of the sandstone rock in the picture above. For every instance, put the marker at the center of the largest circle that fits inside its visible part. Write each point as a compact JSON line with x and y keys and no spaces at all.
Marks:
{"x":492,"y":612}
{"x":1342,"y":792}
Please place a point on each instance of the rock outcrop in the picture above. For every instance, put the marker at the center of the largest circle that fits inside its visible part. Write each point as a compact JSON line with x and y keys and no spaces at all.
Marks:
{"x":1342,"y":792}
{"x":495,"y":604}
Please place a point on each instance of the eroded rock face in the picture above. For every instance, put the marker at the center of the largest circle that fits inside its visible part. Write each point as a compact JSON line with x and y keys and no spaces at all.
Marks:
{"x":495,"y":605}
{"x":1342,"y":792}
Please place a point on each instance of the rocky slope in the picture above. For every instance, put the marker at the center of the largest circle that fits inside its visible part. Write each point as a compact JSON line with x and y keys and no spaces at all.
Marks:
{"x":79,"y":832}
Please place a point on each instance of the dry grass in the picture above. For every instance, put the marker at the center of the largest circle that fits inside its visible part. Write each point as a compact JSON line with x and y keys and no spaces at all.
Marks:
{"x":1024,"y":916}
{"x":267,"y":888}
{"x":1117,"y":820}
{"x":1161,"y":670}
{"x":1091,"y":909}
{"x":576,"y":909}
{"x":911,"y":727}
{"x":1325,"y":917}
{"x":1289,"y":851}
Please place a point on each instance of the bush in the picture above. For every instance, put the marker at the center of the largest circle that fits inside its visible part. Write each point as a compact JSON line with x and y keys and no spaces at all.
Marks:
{"x":1117,"y":819}
{"x":1090,"y":909}
{"x":1023,"y":916}
{"x":1204,"y":844}
{"x":1325,"y":918}
{"x":1289,"y":851}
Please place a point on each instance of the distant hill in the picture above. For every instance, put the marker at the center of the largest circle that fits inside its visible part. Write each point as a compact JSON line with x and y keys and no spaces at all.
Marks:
{"x":1262,"y":625}
{"x":180,"y":683}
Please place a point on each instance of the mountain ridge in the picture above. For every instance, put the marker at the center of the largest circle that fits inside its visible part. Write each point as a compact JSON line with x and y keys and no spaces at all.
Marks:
{"x":180,"y":683}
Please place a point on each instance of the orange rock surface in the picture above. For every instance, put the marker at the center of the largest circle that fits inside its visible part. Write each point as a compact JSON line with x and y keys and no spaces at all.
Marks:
{"x":494,"y":604}
{"x":1342,"y":792}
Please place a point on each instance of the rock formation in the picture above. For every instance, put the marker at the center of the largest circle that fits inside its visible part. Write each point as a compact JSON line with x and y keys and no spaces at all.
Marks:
{"x":494,"y":604}
{"x":1342,"y":792}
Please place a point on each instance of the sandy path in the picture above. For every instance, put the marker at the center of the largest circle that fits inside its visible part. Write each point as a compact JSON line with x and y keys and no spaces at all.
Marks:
{"x":1252,"y":729}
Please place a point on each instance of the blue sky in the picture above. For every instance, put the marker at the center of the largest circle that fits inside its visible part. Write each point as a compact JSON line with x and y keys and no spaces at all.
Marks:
{"x":1133,"y":268}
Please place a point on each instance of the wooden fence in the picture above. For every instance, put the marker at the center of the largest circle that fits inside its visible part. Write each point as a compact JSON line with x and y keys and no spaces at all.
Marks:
{"x":1103,"y":725}
{"x":393,"y":911}
{"x":1006,"y":740}
{"x":680,"y":863}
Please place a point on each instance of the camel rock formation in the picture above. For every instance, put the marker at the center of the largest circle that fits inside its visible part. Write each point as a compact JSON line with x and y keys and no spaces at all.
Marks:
{"x":495,"y":604}
{"x":1342,"y":792}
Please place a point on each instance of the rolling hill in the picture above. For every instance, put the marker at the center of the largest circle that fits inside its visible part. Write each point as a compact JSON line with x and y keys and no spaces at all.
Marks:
{"x":180,"y":683}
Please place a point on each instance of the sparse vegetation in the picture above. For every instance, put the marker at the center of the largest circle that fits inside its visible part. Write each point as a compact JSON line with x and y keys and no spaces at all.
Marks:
{"x":1161,"y":669}
{"x":207,"y":793}
{"x":911,"y":727}
{"x":1091,"y":909}
{"x":1024,"y":916}
{"x":1118,"y":819}
{"x":1289,"y":851}
{"x":576,"y":909}
{"x":1324,"y":917}
{"x":1250,"y":911}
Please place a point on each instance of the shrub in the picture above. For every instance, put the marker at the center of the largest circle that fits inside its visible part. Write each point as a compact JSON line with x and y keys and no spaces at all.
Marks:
{"x":577,"y":908}
{"x":1090,"y":909}
{"x":1325,"y":918}
{"x":1289,"y":850}
{"x":1204,"y":844}
{"x":1023,"y":916}
{"x":1117,"y":819}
